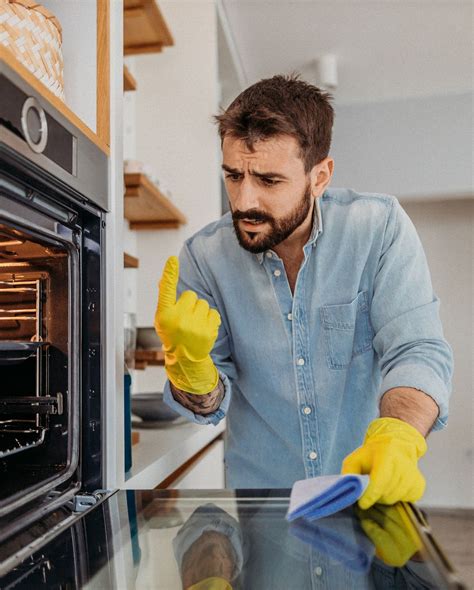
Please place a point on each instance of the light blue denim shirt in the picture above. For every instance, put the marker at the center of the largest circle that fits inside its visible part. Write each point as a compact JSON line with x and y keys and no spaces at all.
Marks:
{"x":304,"y":372}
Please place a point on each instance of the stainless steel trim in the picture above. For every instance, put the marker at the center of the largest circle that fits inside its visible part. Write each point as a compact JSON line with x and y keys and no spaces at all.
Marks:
{"x":74,"y":156}
{"x":24,"y":552}
{"x":32,"y":103}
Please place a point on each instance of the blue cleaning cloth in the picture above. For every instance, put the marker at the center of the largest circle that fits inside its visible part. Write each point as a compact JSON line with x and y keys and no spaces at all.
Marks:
{"x":339,"y":537}
{"x":321,"y":496}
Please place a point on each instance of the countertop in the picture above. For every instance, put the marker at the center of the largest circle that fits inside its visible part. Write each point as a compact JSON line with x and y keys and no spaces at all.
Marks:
{"x":163,"y":450}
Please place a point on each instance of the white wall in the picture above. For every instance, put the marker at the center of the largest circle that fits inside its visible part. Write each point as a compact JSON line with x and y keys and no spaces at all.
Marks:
{"x":129,"y":153}
{"x":176,"y":97}
{"x":446,"y":231}
{"x":423,"y":148}
{"x":410,"y":147}
{"x":78,"y":20}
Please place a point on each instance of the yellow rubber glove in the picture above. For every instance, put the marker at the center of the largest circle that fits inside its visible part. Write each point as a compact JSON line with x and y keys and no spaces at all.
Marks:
{"x":392,"y":533}
{"x":211,"y":584}
{"x":188,"y":330}
{"x":389,"y":455}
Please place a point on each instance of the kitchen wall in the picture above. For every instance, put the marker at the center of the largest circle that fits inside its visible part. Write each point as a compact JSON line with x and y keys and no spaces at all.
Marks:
{"x":414,"y":146}
{"x":130,"y":242}
{"x":420,"y":150}
{"x":446,"y":231}
{"x":77,"y":20}
{"x":176,"y":97}
{"x":410,"y":148}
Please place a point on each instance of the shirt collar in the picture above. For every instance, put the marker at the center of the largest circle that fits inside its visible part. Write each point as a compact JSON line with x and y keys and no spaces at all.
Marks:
{"x":315,"y":231}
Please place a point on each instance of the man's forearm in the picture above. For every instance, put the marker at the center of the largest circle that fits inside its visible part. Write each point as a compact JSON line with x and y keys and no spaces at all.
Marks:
{"x":200,"y":404}
{"x":410,"y":405}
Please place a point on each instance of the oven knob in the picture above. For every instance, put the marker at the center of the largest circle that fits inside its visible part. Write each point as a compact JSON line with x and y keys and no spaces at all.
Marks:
{"x":34,"y":124}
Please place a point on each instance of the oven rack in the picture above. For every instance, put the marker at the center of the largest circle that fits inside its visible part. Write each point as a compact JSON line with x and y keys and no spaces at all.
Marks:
{"x":31,"y":404}
{"x":17,"y":351}
{"x":19,"y":437}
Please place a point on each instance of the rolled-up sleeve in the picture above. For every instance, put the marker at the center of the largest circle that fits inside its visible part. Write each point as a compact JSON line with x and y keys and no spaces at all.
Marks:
{"x":409,"y":338}
{"x":214,"y":417}
{"x":191,"y":278}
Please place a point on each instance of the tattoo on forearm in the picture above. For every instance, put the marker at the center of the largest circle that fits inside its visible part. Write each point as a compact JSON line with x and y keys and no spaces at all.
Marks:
{"x":212,"y":555}
{"x":200,"y":404}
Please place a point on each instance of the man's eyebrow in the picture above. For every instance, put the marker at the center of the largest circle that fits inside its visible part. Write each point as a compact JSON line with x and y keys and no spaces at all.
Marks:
{"x":269,"y":175}
{"x":231,"y":170}
{"x":258,"y":174}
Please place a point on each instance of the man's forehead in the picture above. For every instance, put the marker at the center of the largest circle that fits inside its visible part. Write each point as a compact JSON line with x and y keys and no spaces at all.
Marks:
{"x":280,"y":150}
{"x":278,"y":146}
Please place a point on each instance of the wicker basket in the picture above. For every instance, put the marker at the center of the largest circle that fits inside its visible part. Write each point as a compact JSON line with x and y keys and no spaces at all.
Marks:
{"x":34,"y":35}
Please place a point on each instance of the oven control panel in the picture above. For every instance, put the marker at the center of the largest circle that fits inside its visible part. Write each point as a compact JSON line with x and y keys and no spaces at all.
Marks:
{"x":24,"y":116}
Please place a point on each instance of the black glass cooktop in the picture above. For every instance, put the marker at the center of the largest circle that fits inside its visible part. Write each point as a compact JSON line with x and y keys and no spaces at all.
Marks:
{"x":167,"y":539}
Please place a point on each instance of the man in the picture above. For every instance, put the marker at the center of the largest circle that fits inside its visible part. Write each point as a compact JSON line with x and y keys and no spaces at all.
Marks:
{"x":311,"y":307}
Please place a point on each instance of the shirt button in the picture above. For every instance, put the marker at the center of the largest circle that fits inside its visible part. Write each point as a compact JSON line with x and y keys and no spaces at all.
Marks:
{"x":290,"y":316}
{"x":277,"y":273}
{"x":318,"y":570}
{"x":269,"y":254}
{"x":300,"y":362}
{"x":313,"y":455}
{"x":307,"y":410}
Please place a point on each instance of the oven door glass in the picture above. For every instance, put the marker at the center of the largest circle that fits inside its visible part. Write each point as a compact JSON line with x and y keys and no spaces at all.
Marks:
{"x":39,"y":355}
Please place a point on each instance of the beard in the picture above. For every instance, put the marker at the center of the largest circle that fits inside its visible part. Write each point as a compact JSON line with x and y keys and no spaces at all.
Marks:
{"x":280,"y":229}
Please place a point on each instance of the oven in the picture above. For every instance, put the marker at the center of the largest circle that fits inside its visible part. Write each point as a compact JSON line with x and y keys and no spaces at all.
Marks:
{"x":53,"y":198}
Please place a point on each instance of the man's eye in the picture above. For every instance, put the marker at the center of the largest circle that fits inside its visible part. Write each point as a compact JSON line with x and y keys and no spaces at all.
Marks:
{"x":233,"y":177}
{"x":269,"y":181}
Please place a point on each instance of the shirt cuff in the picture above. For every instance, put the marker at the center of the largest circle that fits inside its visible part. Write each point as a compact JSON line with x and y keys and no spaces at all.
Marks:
{"x":423,"y":378}
{"x":213,"y":418}
{"x":209,"y":517}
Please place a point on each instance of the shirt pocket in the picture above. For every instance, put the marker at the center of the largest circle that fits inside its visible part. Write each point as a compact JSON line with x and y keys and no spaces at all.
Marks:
{"x":347,"y":330}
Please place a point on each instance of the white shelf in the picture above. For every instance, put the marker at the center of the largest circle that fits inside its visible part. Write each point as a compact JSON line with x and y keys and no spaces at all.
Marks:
{"x":161,"y":451}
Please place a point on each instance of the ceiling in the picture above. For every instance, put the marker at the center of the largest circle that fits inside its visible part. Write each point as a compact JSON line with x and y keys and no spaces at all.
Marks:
{"x":386,"y":49}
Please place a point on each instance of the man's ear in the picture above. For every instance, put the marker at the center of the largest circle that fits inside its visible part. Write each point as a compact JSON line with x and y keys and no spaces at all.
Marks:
{"x":320,"y":176}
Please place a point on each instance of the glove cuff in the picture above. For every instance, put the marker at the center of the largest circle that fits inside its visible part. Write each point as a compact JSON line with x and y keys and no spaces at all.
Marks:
{"x":398,"y":429}
{"x":197,"y":377}
{"x":211,"y":584}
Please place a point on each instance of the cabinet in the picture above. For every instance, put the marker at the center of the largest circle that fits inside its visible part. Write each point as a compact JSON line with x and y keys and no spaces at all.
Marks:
{"x":206,"y":472}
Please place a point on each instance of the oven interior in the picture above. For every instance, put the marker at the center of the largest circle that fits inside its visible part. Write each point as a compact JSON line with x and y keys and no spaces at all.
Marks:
{"x":35,"y":339}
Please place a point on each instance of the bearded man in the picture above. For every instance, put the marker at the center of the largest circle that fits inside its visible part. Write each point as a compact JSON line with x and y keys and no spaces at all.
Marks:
{"x":306,"y":314}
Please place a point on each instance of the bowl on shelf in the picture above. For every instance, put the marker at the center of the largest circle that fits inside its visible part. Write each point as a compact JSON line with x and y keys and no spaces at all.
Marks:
{"x":150,"y":407}
{"x":148,"y":339}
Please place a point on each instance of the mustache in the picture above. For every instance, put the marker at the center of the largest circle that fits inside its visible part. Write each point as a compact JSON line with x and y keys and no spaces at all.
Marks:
{"x":253,"y":214}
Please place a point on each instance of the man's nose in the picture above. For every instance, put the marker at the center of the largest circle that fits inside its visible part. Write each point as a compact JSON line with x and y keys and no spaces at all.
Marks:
{"x":247,"y":197}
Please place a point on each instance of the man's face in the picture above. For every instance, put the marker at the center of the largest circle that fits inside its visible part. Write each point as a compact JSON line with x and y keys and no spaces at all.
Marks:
{"x":269,"y":192}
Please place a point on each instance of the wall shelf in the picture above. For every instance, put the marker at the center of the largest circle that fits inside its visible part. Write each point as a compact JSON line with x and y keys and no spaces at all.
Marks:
{"x":144,"y":28}
{"x":129,"y":82}
{"x":146,"y":207}
{"x":153,"y":357}
{"x":130,"y":261}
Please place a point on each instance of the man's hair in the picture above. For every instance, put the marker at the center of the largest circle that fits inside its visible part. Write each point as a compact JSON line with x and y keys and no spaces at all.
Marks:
{"x":282,"y":105}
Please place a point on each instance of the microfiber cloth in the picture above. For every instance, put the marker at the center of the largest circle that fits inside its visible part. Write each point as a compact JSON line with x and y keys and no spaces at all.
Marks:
{"x":339,"y":537}
{"x":321,"y":496}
